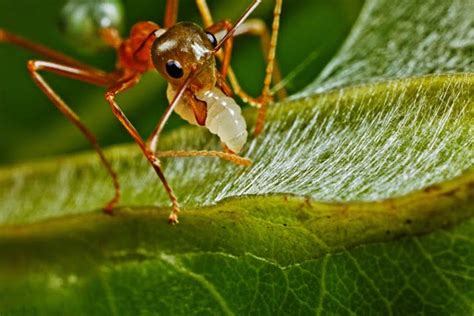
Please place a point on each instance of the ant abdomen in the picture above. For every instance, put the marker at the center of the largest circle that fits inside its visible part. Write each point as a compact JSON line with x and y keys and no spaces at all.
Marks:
{"x":82,"y":21}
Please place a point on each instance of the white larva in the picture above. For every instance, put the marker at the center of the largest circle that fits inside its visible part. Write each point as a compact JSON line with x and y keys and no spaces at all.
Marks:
{"x":224,"y":117}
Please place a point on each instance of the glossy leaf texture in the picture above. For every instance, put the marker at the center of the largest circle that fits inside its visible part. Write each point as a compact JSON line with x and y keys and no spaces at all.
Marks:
{"x":360,"y":199}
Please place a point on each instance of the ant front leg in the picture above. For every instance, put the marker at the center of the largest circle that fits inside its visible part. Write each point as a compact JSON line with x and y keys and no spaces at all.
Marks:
{"x":96,"y":77}
{"x":149,"y":154}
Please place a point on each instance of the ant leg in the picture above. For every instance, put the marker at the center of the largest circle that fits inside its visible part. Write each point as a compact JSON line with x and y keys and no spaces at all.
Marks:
{"x":171,"y":13}
{"x":98,"y":78}
{"x":149,"y":154}
{"x":257,"y":27}
{"x":205,"y":13}
{"x":236,"y":159}
{"x":229,"y":156}
{"x":266,"y":97}
{"x":110,"y":36}
{"x":44,"y":51}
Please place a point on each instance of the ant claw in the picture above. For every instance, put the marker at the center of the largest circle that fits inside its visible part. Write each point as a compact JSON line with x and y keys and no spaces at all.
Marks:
{"x":173,"y":219}
{"x":108,"y":209}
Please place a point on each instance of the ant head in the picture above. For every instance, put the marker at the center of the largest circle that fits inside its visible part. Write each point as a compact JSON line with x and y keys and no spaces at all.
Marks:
{"x":182,"y":49}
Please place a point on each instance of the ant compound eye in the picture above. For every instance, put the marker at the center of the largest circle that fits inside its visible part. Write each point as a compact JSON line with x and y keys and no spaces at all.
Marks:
{"x":174,"y":69}
{"x":212,"y":39}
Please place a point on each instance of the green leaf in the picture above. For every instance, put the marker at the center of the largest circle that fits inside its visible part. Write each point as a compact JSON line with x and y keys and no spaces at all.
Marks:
{"x":360,"y":199}
{"x":414,"y":39}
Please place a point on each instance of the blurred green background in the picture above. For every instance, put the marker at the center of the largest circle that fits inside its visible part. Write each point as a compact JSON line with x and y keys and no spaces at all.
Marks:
{"x":31,"y":128}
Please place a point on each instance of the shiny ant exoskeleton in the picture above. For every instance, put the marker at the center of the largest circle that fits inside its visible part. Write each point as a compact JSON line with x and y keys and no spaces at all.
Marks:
{"x":184,"y":54}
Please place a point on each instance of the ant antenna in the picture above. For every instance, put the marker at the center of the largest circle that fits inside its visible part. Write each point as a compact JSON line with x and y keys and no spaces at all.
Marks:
{"x":239,"y":22}
{"x":170,"y":109}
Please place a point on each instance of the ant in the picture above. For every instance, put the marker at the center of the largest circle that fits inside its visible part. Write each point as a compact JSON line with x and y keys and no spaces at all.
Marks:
{"x":185,"y":55}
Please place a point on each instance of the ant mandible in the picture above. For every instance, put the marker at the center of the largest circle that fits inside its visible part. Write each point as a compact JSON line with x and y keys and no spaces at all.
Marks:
{"x":184,"y":54}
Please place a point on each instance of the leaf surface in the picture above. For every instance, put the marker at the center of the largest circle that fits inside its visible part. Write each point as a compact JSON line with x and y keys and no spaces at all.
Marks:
{"x":359,"y":201}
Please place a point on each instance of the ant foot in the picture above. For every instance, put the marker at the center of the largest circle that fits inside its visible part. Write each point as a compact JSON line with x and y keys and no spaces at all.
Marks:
{"x":173,"y":219}
{"x":109,"y":208}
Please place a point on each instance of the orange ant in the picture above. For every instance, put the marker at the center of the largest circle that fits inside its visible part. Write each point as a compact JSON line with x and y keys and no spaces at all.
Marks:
{"x":184,"y":54}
